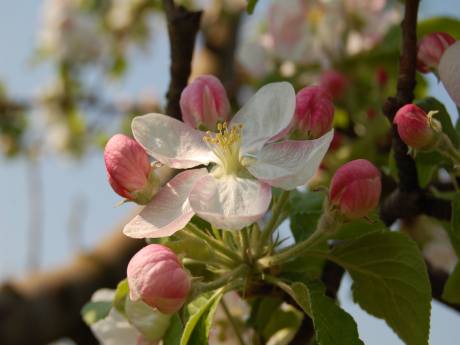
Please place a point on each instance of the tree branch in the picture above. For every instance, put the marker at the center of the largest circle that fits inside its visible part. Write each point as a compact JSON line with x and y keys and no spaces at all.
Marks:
{"x":183,"y":26}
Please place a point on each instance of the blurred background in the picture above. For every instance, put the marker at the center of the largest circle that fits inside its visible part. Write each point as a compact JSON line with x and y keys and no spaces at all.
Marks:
{"x":72,"y":77}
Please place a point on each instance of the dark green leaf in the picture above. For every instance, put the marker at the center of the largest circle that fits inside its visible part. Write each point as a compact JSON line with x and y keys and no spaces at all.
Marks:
{"x":389,"y":281}
{"x":451,"y":291}
{"x":454,"y":229}
{"x":333,"y":325}
{"x":360,"y":227}
{"x":437,"y":24}
{"x":95,"y":311}
{"x":201,"y":310}
{"x":283,"y":325}
{"x":174,"y":332}
{"x":251,"y":6}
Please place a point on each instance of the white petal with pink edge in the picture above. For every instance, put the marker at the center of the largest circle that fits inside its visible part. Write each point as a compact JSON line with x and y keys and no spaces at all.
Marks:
{"x":265,"y":115}
{"x":169,"y":211}
{"x":172,"y":142}
{"x":449,"y":71}
{"x":230,"y":202}
{"x":291,"y":163}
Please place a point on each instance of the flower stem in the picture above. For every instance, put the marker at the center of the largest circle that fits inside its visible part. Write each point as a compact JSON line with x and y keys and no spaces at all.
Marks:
{"x":232,"y":320}
{"x":213,"y":243}
{"x":200,"y":288}
{"x":327,"y":225}
{"x":273,"y":222}
{"x":246,"y":243}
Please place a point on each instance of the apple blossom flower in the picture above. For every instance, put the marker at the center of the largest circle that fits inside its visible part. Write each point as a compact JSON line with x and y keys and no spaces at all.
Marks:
{"x":314,"y":112}
{"x":156,"y":276}
{"x":334,"y":82}
{"x":430,"y":50}
{"x":242,"y":165}
{"x":449,"y":71}
{"x":355,"y":188}
{"x":204,"y":103}
{"x":414,"y":127}
{"x":68,"y":33}
{"x":129,"y":170}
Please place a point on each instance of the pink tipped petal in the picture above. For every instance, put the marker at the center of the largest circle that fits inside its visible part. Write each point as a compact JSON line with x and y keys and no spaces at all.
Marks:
{"x":230,"y":202}
{"x":449,"y":71}
{"x":172,"y":142}
{"x":265,"y":115}
{"x":169,"y":211}
{"x":291,"y":163}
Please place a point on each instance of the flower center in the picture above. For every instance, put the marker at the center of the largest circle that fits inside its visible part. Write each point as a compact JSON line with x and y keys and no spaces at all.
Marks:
{"x":226,"y":146}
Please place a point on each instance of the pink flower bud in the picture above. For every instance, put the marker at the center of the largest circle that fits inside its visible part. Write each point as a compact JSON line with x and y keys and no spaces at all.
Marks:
{"x":334,"y":82}
{"x":355,"y":188}
{"x":314,"y":112}
{"x":204,"y":102}
{"x":430,"y":50}
{"x":129,"y":171}
{"x":414,"y":127}
{"x":156,"y":276}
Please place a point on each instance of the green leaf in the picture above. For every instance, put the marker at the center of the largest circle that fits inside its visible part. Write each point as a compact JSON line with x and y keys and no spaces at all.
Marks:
{"x":427,"y":164}
{"x":174,"y":332}
{"x":120,"y":296}
{"x":389,"y":281}
{"x":251,"y":6}
{"x":95,"y":311}
{"x":431,"y":103}
{"x":451,"y":291}
{"x":333,"y":325}
{"x":306,"y":209}
{"x":261,"y":311}
{"x":283,"y":325}
{"x":454,"y":229}
{"x":202,"y":310}
{"x":437,"y":24}
{"x":360,"y":227}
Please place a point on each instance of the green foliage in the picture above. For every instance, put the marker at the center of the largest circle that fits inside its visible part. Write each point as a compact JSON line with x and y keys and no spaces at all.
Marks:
{"x":454,"y":229}
{"x":360,"y":227}
{"x":121,"y":293}
{"x":306,"y":209}
{"x":95,"y":311}
{"x":201,"y":311}
{"x":251,"y":6}
{"x":389,"y":281}
{"x":439,"y":24}
{"x":174,"y":332}
{"x":333,"y":325}
{"x":451,"y":291}
{"x":282,"y":325}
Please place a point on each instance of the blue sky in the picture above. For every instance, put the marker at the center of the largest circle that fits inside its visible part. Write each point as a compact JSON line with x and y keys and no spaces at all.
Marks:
{"x":65,"y":181}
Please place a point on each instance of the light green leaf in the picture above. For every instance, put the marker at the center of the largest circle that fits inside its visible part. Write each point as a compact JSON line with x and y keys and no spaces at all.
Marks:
{"x":360,"y":227}
{"x":333,"y":325}
{"x":437,"y":24}
{"x":120,"y":296}
{"x":451,"y":291}
{"x":389,"y":281}
{"x":95,"y":311}
{"x":196,"y":331}
{"x":283,"y":325}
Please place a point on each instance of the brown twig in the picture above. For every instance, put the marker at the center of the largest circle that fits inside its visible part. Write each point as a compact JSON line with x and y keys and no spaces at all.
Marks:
{"x":183,"y":26}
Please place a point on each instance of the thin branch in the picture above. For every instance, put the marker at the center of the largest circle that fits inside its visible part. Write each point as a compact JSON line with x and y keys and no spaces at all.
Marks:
{"x":183,"y":27}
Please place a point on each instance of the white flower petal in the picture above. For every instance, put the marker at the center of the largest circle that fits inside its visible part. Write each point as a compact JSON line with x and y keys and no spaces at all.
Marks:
{"x":265,"y":115}
{"x":230,"y":202}
{"x":449,"y":71}
{"x":169,"y":211}
{"x":172,"y":142}
{"x":290,"y":163}
{"x":114,"y":329}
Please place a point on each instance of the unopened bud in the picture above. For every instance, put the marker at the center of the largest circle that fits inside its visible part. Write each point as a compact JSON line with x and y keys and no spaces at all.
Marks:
{"x":204,"y":103}
{"x":156,"y":276}
{"x":414,"y":127}
{"x":334,"y":82}
{"x":314,"y":112}
{"x":355,"y":189}
{"x":129,"y":170}
{"x":430,"y":50}
{"x":449,"y":71}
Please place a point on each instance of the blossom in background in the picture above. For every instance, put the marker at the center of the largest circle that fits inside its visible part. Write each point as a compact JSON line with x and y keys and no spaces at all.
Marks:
{"x":204,"y":103}
{"x":115,"y":329}
{"x":68,"y":33}
{"x":235,"y":189}
{"x":430,"y":50}
{"x":449,"y":71}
